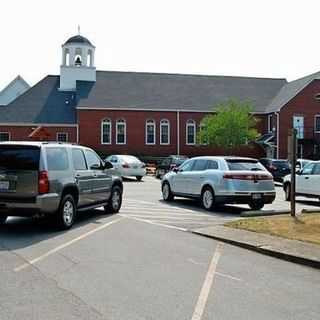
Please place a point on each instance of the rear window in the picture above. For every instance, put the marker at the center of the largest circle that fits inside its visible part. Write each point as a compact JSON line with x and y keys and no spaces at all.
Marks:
{"x":245,"y":165}
{"x":178,"y":162}
{"x":57,"y":159}
{"x":19,"y":157}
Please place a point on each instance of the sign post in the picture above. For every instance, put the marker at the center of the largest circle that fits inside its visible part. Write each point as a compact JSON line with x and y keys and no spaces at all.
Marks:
{"x":293,"y":158}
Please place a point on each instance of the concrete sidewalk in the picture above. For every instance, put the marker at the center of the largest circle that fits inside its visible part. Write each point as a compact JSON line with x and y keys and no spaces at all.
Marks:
{"x":291,"y":250}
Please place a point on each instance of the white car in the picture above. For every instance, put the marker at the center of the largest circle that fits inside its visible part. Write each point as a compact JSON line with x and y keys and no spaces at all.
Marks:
{"x":128,"y":166}
{"x":307,"y":181}
{"x":220,"y":180}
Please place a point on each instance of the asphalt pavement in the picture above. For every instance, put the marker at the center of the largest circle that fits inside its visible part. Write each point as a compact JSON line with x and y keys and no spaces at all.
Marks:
{"x":144,"y":264}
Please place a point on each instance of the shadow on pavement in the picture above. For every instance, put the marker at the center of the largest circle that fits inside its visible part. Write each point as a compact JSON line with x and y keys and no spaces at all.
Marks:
{"x":19,"y":232}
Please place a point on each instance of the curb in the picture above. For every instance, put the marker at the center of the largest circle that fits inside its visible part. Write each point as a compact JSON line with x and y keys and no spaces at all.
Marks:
{"x":310,"y":210}
{"x":260,"y":213}
{"x":264,"y":250}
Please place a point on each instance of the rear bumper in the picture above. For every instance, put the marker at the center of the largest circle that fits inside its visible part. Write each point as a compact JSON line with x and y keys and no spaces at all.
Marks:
{"x":42,"y":204}
{"x":266,"y":198}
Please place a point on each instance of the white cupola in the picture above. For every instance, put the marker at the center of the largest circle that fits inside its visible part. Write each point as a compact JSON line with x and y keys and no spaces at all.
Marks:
{"x":77,"y":63}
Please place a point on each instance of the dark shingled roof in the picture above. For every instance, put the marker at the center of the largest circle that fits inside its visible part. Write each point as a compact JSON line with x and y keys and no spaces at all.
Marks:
{"x":42,"y":103}
{"x":78,"y":39}
{"x":156,"y":91}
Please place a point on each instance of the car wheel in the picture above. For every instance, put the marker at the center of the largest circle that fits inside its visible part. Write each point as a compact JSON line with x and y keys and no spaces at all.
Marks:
{"x":3,"y":219}
{"x":256,"y":205}
{"x":115,"y":201}
{"x":166,"y":192}
{"x":139,"y":178}
{"x":66,"y":213}
{"x":287,"y":192}
{"x":207,"y":198}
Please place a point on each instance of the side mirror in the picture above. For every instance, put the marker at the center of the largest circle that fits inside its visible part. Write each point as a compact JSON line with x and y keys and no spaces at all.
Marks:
{"x":298,"y":172}
{"x":175,"y":169}
{"x":108,"y":165}
{"x":96,"y":167}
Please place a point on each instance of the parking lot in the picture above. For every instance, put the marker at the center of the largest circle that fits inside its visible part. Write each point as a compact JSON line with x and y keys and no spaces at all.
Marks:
{"x":142,"y":264}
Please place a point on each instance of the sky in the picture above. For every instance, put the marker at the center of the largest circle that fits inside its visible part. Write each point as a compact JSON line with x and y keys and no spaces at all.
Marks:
{"x":264,"y":38}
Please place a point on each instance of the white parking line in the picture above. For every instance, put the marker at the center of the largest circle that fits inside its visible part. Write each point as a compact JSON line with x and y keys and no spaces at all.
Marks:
{"x":204,"y":293}
{"x":171,"y":216}
{"x":49,"y":253}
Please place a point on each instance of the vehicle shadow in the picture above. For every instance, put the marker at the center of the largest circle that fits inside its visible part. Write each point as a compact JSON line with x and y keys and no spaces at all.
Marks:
{"x":128,"y":179}
{"x":194,"y":205}
{"x":18,"y":233}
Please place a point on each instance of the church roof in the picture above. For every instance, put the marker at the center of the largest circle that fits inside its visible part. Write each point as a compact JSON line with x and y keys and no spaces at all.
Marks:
{"x":78,"y":39}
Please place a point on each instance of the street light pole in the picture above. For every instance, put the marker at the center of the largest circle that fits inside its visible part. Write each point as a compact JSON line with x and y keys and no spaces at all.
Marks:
{"x":293,"y":171}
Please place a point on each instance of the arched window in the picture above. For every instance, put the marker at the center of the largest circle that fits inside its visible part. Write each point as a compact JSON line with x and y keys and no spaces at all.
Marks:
{"x":164,"y":131}
{"x":89,"y":58}
{"x":106,"y":131}
{"x":121,"y":132}
{"x":78,"y":57}
{"x":190,"y":132}
{"x":150,"y":132}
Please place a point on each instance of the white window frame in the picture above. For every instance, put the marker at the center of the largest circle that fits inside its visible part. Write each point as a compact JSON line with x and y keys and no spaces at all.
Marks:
{"x":165,"y":122}
{"x":269,"y":123}
{"x":65,"y":133}
{"x":150,"y":122}
{"x":315,"y":123}
{"x":106,"y":121}
{"x":190,"y":123}
{"x":8,"y":133}
{"x":124,"y":123}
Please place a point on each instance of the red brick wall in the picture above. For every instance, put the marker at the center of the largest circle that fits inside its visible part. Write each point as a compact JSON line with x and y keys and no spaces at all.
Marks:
{"x":305,"y":105}
{"x":90,"y":133}
{"x":22,"y":132}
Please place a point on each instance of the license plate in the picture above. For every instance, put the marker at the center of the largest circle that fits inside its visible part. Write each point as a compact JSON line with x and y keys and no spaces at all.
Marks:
{"x":4,"y":185}
{"x":256,"y":196}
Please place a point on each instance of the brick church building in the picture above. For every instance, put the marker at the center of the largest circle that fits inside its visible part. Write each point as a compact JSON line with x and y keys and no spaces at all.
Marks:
{"x":157,"y":114}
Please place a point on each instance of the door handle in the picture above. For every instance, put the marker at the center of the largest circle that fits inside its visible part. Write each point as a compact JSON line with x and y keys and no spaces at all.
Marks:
{"x":306,"y":177}
{"x":78,"y":175}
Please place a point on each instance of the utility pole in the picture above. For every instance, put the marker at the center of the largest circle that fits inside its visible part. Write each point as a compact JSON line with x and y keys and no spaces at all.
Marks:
{"x":293,"y":159}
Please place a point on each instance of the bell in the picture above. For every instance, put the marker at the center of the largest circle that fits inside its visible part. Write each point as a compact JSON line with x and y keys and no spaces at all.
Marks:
{"x":78,"y":61}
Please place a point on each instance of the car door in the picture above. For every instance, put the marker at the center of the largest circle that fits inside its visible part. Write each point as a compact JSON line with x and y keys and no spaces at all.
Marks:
{"x":303,"y":179}
{"x":197,"y":176}
{"x":101,"y":181}
{"x":313,"y":181}
{"x":180,"y":181}
{"x":83,"y":176}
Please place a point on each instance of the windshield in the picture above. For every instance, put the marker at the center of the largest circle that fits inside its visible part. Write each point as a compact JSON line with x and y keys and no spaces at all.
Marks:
{"x":251,"y":165}
{"x":281,"y":164}
{"x":19,"y":157}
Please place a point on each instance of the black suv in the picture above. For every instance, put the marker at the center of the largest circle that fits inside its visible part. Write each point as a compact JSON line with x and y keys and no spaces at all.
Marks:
{"x":169,"y":164}
{"x":279,"y":168}
{"x":41,"y":178}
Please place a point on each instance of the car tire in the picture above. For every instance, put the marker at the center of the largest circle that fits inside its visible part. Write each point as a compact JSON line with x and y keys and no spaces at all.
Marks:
{"x":115,"y":201}
{"x":139,"y":178}
{"x":166,"y":192}
{"x":207,"y":198}
{"x":66,"y":213}
{"x":287,"y":192}
{"x":256,"y":205}
{"x":3,"y":219}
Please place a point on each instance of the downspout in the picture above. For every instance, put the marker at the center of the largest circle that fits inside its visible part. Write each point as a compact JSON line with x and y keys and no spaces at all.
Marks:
{"x":278,"y":134}
{"x":178,"y":132}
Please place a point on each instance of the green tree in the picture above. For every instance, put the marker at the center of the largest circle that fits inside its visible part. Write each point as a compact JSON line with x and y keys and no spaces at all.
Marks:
{"x":230,"y":125}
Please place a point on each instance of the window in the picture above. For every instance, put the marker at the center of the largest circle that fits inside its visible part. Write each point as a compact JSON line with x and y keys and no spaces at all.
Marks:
{"x":244,"y":165}
{"x":316,"y":169}
{"x":121,"y":132}
{"x":200,"y":165}
{"x":57,"y":159}
{"x":4,"y":136}
{"x":190,"y":132}
{"x":92,"y":159}
{"x":212,"y":165}
{"x":317,"y":123}
{"x":187,"y":166}
{"x":150,"y":132}
{"x":106,"y":131}
{"x":308,"y":169}
{"x":62,"y":136}
{"x":270,"y":127}
{"x":164,"y":132}
{"x":79,"y":162}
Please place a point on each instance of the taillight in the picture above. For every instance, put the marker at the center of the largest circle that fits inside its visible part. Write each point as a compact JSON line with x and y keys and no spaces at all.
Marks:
{"x":43,"y":182}
{"x":253,"y":177}
{"x":125,"y":165}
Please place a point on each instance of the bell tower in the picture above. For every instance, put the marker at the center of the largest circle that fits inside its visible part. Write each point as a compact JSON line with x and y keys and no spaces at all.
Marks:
{"x":77,"y":62}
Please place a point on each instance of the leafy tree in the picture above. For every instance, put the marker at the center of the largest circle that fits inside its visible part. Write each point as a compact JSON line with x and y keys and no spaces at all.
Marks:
{"x":231,"y":125}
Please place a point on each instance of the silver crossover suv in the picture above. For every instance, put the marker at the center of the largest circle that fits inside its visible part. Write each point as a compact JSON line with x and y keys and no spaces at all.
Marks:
{"x":41,"y":178}
{"x":220,"y":180}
